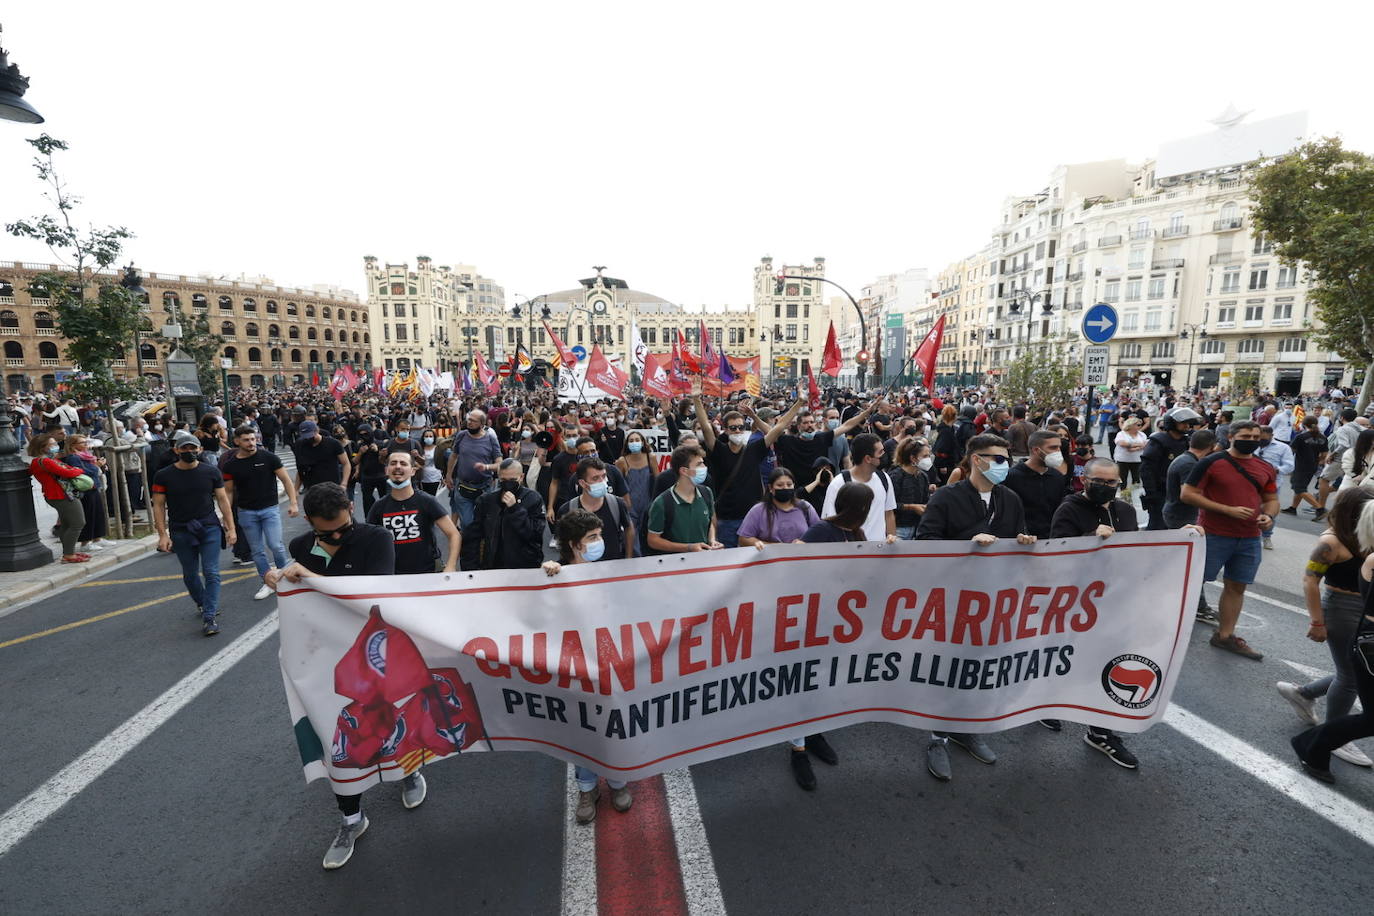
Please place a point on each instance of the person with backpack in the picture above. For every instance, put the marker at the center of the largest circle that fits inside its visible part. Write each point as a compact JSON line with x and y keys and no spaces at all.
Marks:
{"x":735,"y":459}
{"x":594,"y":496}
{"x":683,"y":518}
{"x":867,"y":453}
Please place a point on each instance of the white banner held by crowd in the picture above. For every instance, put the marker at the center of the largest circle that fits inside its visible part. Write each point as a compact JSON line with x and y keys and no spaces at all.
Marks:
{"x":634,"y":667}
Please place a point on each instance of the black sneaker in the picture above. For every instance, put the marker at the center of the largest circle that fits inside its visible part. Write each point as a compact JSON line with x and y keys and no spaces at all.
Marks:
{"x":210,"y":628}
{"x":822,"y":750}
{"x":801,"y":769}
{"x":1289,"y":511}
{"x":1317,"y":774}
{"x":1208,"y":615}
{"x":1111,"y":745}
{"x":1053,"y":725}
{"x":1318,"y":514}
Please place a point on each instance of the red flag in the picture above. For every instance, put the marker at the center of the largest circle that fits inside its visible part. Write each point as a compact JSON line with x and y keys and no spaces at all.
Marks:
{"x":603,"y":375}
{"x":442,"y":718}
{"x":655,"y":380}
{"x":710,"y":359}
{"x":565,"y":353}
{"x":314,"y":379}
{"x":338,"y":385}
{"x":689,"y":362}
{"x":832,"y":360}
{"x":488,"y":378}
{"x":378,"y":378}
{"x":351,"y":377}
{"x":813,"y":392}
{"x":383,"y":665}
{"x":362,"y":733}
{"x":929,"y":351}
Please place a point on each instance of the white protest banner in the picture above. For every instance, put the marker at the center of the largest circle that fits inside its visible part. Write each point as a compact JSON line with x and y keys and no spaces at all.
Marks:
{"x":658,"y":443}
{"x":634,"y":667}
{"x":573,"y":384}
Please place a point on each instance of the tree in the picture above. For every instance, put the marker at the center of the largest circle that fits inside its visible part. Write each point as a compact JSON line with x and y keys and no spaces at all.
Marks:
{"x":1043,"y":375}
{"x":1316,"y":203}
{"x":199,"y":341}
{"x":97,"y":330}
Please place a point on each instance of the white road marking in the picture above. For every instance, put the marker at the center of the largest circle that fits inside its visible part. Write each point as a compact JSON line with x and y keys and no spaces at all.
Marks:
{"x":1306,"y":670}
{"x":1267,"y":600}
{"x":1283,"y":775}
{"x":45,"y":801}
{"x":700,"y":884}
{"x":579,"y":858}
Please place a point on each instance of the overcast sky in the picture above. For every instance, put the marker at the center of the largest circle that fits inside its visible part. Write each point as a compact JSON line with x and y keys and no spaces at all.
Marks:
{"x":674,"y":143}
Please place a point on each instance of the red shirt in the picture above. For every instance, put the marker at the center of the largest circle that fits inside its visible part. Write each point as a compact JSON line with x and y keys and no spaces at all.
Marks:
{"x":1220,"y":481}
{"x":48,"y":470}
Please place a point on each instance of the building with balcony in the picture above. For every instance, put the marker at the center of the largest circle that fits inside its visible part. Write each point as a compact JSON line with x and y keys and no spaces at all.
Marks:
{"x":273,"y":335}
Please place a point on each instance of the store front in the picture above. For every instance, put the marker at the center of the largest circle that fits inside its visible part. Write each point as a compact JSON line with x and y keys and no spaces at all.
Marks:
{"x":1288,"y":382}
{"x":1209,"y":377}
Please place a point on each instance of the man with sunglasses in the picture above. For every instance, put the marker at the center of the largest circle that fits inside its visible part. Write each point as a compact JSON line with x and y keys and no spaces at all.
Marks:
{"x":337,"y":546}
{"x":735,"y":461}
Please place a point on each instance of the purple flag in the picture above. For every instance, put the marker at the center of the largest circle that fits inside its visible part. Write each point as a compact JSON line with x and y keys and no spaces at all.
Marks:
{"x":727,"y":376}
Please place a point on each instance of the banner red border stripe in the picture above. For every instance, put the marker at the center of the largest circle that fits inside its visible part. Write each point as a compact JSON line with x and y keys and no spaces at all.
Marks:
{"x":636,"y":856}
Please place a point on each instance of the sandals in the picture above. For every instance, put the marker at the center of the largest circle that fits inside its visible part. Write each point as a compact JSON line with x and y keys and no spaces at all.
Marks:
{"x":77,"y":558}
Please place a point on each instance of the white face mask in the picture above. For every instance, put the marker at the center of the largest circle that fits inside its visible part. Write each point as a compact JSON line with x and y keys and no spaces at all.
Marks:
{"x":1055,"y":459}
{"x":926,"y":463}
{"x":740,"y":439}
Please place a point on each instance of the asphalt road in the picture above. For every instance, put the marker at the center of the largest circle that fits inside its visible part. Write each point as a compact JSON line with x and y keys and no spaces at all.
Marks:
{"x":210,"y":814}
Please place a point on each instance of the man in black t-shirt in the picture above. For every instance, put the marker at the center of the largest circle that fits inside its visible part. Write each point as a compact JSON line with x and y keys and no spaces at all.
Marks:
{"x":371,"y":466}
{"x":184,"y":500}
{"x":1309,"y":452}
{"x":735,"y":461}
{"x":250,"y":479}
{"x":411,"y":516}
{"x":319,"y":459}
{"x":799,"y":453}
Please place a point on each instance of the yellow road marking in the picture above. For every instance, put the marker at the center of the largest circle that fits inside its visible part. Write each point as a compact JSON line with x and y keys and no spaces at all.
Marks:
{"x":144,"y":579}
{"x":99,"y":617}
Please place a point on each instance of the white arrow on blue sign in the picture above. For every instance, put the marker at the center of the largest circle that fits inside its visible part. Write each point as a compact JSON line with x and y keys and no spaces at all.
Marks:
{"x":1100,"y":323}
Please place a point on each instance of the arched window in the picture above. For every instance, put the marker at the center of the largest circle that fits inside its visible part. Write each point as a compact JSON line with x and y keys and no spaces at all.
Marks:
{"x":273,"y":332}
{"x":329,"y":334}
{"x":276,"y":356}
{"x":42,"y":320}
{"x":226,"y":304}
{"x":231,"y":353}
{"x":355,"y":336}
{"x":235,"y":381}
{"x":14,"y":350}
{"x":1213,"y":345}
{"x":309,"y":310}
{"x":353,"y":316}
{"x":227,"y":329}
{"x":293,"y":332}
{"x":314,"y":356}
{"x":171,"y":301}
{"x":9,"y":319}
{"x":1229,"y":210}
{"x":298,"y":379}
{"x":367,"y":337}
{"x":1251,"y":345}
{"x":47,"y":350}
{"x":357,"y":357}
{"x":364,"y":316}
{"x":257,"y":381}
{"x":49,"y":382}
{"x":312,"y":334}
{"x":198,"y":301}
{"x":403,"y":364}
{"x":326,"y":313}
{"x":296,"y":357}
{"x":147,"y":351}
{"x":1176,"y":222}
{"x":329,"y":356}
{"x":291,"y":308}
{"x":250,"y":305}
{"x":254,"y":355}
{"x":6,"y":288}
{"x":271,"y":306}
{"x":250,"y":330}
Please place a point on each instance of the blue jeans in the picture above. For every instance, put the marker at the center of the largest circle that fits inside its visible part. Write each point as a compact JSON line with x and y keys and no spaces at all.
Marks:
{"x":464,"y":507}
{"x":906,"y":532}
{"x":262,"y":529}
{"x":1237,"y":559}
{"x":727,"y":531}
{"x":205,"y":556}
{"x":586,"y":780}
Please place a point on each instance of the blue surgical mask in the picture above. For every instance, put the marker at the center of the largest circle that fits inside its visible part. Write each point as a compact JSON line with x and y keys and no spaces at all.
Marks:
{"x":636,"y":447}
{"x":594,"y":551}
{"x":808,"y":434}
{"x":997,"y":472}
{"x":833,"y":423}
{"x":403,"y":434}
{"x":597,"y":490}
{"x":397,"y":484}
{"x":54,"y":449}
{"x":699,"y":475}
{"x":429,"y":440}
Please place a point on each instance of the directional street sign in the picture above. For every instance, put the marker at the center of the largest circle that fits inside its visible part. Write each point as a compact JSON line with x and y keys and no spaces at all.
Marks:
{"x":1095,"y":365}
{"x":580,"y":352}
{"x":1100,"y":323}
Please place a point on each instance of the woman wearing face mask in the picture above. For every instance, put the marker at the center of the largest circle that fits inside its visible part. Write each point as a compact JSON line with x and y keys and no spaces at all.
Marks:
{"x":780,"y":517}
{"x":911,"y":484}
{"x":1082,"y":454}
{"x":430,"y":476}
{"x":77,"y":454}
{"x":637,"y":465}
{"x":50,"y":472}
{"x":579,"y":541}
{"x":1130,"y":442}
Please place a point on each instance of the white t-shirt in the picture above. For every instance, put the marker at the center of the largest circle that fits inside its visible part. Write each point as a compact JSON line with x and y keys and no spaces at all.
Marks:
{"x":1125,"y":456}
{"x":884,"y":501}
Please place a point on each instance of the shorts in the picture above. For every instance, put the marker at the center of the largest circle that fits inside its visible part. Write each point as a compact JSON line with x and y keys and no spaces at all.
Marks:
{"x":1332,"y":473}
{"x":1237,"y":558}
{"x":1301,"y":480}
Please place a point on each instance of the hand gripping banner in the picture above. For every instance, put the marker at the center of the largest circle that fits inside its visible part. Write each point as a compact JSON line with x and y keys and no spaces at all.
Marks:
{"x":634,"y":667}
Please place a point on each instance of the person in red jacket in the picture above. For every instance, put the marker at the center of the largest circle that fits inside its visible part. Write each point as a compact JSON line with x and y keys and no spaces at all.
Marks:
{"x":49,"y":472}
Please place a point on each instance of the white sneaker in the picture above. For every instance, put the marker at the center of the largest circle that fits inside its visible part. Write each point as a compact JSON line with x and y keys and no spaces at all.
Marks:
{"x":1267,"y":543}
{"x":1306,"y":708}
{"x":264,"y":592}
{"x":93,"y":545}
{"x":1352,"y":754}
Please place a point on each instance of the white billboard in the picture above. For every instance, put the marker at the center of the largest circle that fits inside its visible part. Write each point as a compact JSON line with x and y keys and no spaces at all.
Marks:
{"x":1232,"y":144}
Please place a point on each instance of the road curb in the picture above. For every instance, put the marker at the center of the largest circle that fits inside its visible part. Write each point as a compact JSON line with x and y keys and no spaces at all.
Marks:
{"x":63,"y":576}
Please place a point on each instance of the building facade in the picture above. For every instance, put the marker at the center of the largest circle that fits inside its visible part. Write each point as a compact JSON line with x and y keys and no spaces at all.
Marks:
{"x":792,"y":323}
{"x":273,"y":335}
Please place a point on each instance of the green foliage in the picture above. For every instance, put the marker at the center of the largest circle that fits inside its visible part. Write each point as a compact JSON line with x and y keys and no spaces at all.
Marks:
{"x":1317,"y":205}
{"x":1047,"y":370}
{"x":201,"y":342}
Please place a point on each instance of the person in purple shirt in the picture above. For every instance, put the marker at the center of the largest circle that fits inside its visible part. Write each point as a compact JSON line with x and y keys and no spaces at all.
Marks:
{"x":778,"y":518}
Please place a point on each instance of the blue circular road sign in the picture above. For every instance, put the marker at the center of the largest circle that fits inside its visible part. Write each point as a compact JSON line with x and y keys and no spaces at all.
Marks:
{"x":1100,"y":323}
{"x":580,"y":352}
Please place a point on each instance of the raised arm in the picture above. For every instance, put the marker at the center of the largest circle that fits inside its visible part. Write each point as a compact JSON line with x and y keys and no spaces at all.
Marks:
{"x":708,"y":432}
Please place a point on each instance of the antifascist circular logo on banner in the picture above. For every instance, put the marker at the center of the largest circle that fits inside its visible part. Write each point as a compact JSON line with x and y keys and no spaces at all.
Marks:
{"x":1132,"y":680}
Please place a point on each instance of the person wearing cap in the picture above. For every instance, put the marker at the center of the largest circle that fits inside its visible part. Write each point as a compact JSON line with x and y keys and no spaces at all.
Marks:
{"x":823,"y":472}
{"x":184,"y":499}
{"x":319,"y":458}
{"x":1162,"y":447}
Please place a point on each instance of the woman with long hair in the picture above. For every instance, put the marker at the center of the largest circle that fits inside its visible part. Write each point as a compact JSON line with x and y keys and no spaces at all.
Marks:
{"x":50,"y":471}
{"x":638,"y":465}
{"x":1358,"y":460}
{"x":578,"y":534}
{"x":946,"y":442}
{"x":429,"y":475}
{"x":779,"y":517}
{"x":211,"y":434}
{"x":911,"y":484}
{"x":77,"y":454}
{"x":1335,"y":615}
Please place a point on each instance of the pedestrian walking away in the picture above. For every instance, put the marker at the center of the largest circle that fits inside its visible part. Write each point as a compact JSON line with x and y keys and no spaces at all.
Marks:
{"x":251,"y":475}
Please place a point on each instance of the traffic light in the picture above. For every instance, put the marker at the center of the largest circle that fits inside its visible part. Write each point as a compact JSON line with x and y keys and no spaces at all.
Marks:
{"x":861,"y":357}
{"x":777,"y":285}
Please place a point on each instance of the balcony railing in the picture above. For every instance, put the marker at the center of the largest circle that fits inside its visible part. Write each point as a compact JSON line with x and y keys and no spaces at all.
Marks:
{"x":1174,"y":232}
{"x":45,"y":332}
{"x":1227,"y":225}
{"x":1226,"y":258}
{"x":1138,"y":234}
{"x":1109,"y":241}
{"x":48,"y":363}
{"x":8,"y":331}
{"x":6,"y":300}
{"x":1285,"y":284}
{"x":1081,"y":246}
{"x":119,"y":363}
{"x":1074,"y":277}
{"x":41,"y":302}
{"x":12,"y":363}
{"x":1166,"y":264}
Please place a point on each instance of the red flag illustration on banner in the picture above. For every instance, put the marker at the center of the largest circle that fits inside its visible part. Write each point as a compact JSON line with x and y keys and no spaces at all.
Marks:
{"x":929,"y":351}
{"x":489,"y":379}
{"x":710,"y":359}
{"x":689,"y":362}
{"x":603,"y":375}
{"x":656,"y":376}
{"x":831,"y":358}
{"x":382,"y":665}
{"x":565,"y":353}
{"x":813,"y":392}
{"x":442,"y":718}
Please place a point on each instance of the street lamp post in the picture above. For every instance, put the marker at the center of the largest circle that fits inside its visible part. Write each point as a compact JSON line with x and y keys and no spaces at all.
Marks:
{"x":863,"y":325}
{"x":133,"y":286}
{"x":1027,"y":298}
{"x":13,"y":85}
{"x":1191,"y":333}
{"x":544,"y":312}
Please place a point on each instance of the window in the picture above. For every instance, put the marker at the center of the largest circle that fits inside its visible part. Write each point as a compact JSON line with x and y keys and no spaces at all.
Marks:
{"x":1262,"y":244}
{"x":1040,"y":251}
{"x":1226,"y":312}
{"x":1156,"y":288}
{"x":1154,"y":319}
{"x":254,"y":355}
{"x":1130,"y":351}
{"x":42,"y":320}
{"x":312,"y":334}
{"x":400,"y":332}
{"x":1254,"y":311}
{"x":250,"y":330}
{"x":198,"y":301}
{"x":271,"y":306}
{"x":806,"y":333}
{"x":1176,"y":224}
{"x":1259,"y":278}
{"x":1163,"y":349}
{"x":226,"y":304}
{"x":1288,"y":278}
{"x":1283,"y":311}
{"x":383,"y":309}
{"x":1130,"y":321}
{"x":1250,"y":345}
{"x":1230,"y":280}
{"x":325,"y":313}
{"x":293,"y":332}
{"x":309,"y":310}
{"x":1230,"y":212}
{"x":1112,"y":291}
{"x":791,"y":332}
{"x":329,"y":335}
{"x":1213,"y":346}
{"x":1137,"y":258}
{"x":291,"y":308}
{"x":227,"y":329}
{"x":791,"y":310}
{"x":250,"y":305}
{"x":1132,"y":290}
{"x":296,"y":356}
{"x":1293,"y":345}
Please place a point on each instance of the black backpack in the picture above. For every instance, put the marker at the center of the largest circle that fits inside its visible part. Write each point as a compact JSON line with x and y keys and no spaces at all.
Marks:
{"x":670,"y":509}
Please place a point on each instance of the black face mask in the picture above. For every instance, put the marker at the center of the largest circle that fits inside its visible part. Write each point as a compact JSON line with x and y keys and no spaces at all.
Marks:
{"x":509,"y":486}
{"x":475,"y":430}
{"x":188,"y":457}
{"x":1085,"y":451}
{"x":1100,"y":493}
{"x":336,"y":537}
{"x":785,"y":495}
{"x":1245,"y":446}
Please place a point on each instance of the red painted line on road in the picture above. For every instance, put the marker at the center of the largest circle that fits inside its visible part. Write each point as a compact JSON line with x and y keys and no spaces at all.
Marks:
{"x":637,"y":868}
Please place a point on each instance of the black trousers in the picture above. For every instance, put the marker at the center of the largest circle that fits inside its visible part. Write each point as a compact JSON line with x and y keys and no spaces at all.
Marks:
{"x":374,"y":488}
